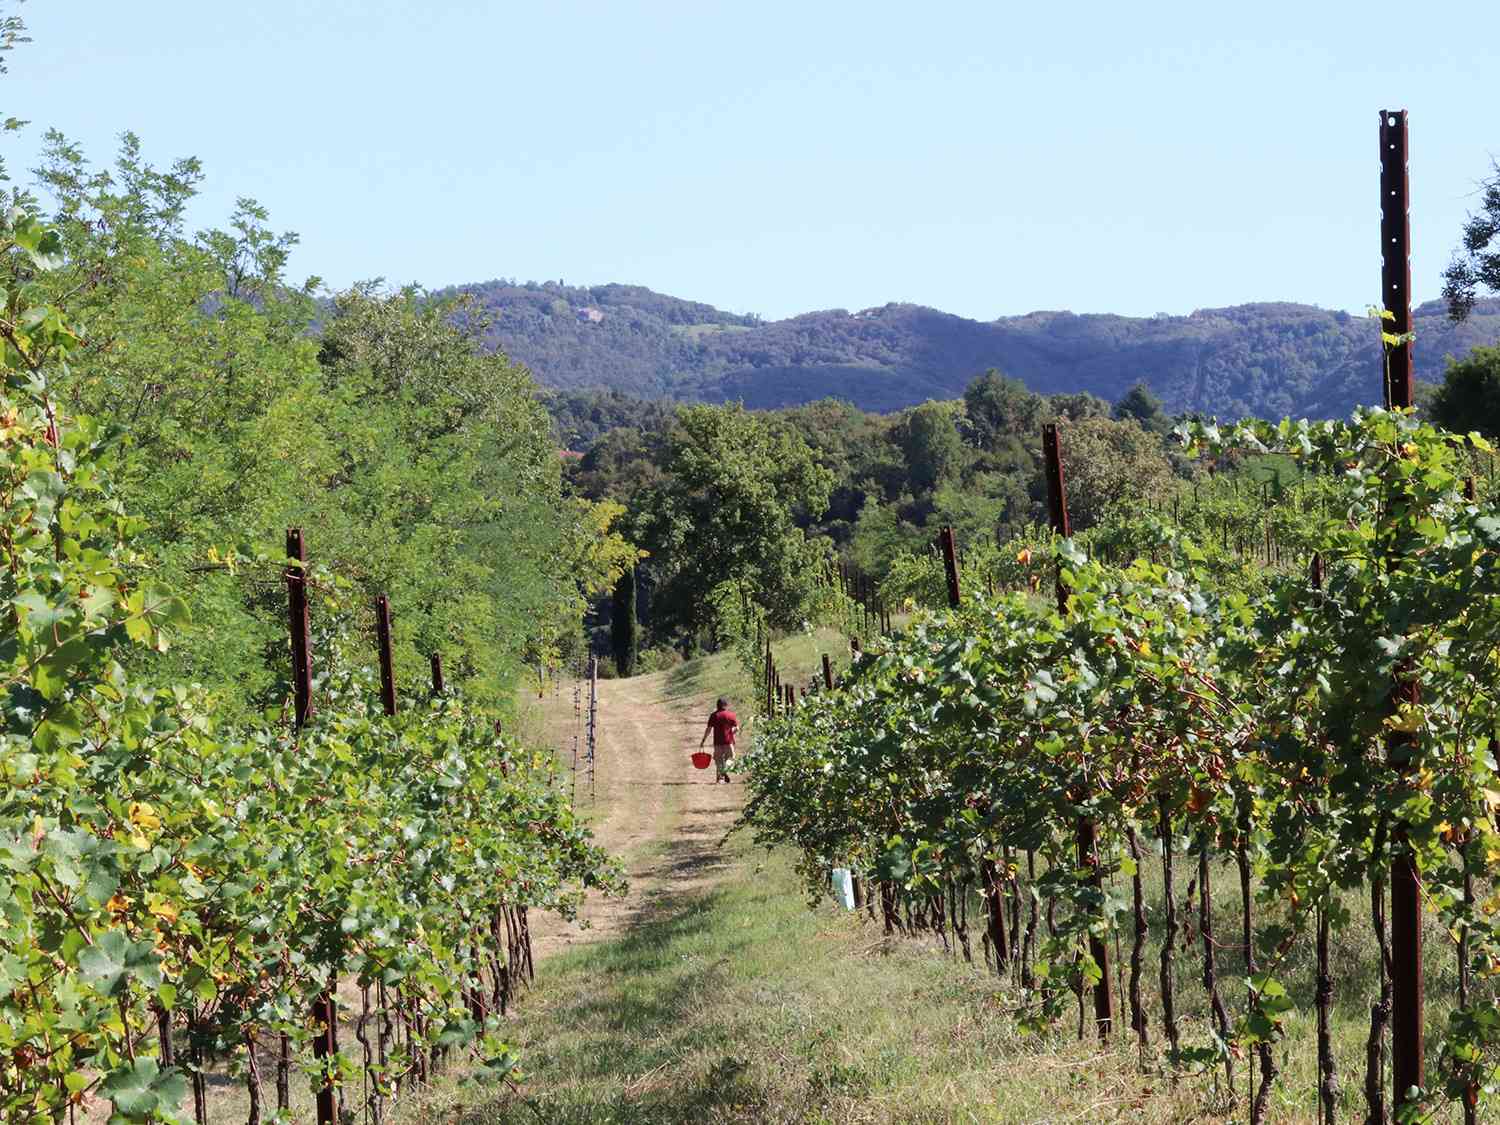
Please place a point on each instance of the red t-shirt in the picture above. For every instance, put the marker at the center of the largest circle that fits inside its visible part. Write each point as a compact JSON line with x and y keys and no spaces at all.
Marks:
{"x":723,"y":723}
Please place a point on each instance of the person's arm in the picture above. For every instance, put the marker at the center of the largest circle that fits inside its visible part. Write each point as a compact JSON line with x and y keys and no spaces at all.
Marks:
{"x":706,"y":729}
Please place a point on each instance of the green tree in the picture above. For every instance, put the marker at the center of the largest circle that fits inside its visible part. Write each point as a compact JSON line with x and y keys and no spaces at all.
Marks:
{"x":999,"y":408}
{"x":1476,"y":264}
{"x":621,"y":464}
{"x":1469,"y":396}
{"x":982,"y":508}
{"x":1077,"y":406}
{"x":622,"y":625}
{"x":725,"y":514}
{"x":880,"y":534}
{"x":419,"y":461}
{"x":929,"y":440}
{"x":1110,"y":466}
{"x":1142,"y":407}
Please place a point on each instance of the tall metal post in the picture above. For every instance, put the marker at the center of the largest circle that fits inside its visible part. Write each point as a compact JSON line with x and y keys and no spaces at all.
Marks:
{"x":1407,"y":1046}
{"x":383,"y":643}
{"x":950,"y":565}
{"x":325,"y":1046}
{"x":1395,"y":254}
{"x":1057,"y":497}
{"x":827,"y":673}
{"x":437,"y":675}
{"x":325,"y":1041}
{"x":296,"y":600}
{"x":1087,"y":831}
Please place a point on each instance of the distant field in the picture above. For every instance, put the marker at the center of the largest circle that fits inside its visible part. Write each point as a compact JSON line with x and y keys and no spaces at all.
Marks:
{"x":699,"y":331}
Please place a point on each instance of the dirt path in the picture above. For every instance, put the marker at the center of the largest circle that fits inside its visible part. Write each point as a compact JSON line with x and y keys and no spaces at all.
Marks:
{"x":649,"y":806}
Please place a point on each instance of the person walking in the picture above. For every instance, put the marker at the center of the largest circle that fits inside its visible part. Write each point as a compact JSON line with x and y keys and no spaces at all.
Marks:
{"x":722,"y":724}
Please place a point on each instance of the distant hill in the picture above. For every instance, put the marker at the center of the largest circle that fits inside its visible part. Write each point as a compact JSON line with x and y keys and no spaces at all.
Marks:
{"x":1268,"y":359}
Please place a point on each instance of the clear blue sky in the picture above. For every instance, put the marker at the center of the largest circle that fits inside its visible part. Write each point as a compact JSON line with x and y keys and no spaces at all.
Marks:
{"x":985,"y":158}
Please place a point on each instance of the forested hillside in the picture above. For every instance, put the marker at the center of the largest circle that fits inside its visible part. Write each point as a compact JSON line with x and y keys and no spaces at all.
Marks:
{"x":1268,"y":359}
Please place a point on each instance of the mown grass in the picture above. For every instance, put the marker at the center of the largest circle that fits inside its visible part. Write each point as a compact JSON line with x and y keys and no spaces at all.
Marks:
{"x":742,"y":1005}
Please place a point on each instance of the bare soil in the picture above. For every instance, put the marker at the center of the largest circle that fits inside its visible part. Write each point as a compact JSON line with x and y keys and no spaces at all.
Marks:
{"x":648,"y":805}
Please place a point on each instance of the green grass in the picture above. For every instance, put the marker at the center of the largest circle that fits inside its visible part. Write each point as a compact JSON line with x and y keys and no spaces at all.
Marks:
{"x":697,"y":332}
{"x":742,"y":1005}
{"x":799,"y":657}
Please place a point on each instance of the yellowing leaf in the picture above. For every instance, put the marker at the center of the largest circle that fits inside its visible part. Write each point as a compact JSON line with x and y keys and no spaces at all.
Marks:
{"x":143,"y":815}
{"x":1408,"y":722}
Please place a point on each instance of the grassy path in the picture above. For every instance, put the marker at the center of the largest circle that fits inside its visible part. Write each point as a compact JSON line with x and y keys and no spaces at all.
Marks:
{"x":713,"y":994}
{"x":649,"y":806}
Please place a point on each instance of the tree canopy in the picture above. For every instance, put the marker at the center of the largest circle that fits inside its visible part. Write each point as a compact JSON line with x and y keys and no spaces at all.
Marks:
{"x":1469,"y":396}
{"x":725,"y":513}
{"x":1476,"y":263}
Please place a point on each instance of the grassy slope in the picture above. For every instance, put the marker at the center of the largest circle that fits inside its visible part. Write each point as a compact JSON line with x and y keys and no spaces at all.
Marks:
{"x":799,"y":658}
{"x":743,"y":1005}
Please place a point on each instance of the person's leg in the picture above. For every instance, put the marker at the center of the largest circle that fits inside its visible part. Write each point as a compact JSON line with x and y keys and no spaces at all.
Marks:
{"x":722,"y":754}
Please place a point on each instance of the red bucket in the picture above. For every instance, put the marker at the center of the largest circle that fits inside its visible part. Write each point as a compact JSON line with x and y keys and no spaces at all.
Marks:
{"x":702,"y":758}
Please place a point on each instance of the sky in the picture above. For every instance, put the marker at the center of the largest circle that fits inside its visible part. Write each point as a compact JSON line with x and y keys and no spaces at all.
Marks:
{"x":987,"y":159}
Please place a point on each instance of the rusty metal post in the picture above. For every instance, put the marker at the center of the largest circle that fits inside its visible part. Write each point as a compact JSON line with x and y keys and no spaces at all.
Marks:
{"x":1395,"y":254}
{"x":325,"y":1046}
{"x":827,"y":673}
{"x":1406,"y":879}
{"x":1406,"y":931}
{"x":325,"y":1042}
{"x":950,"y":565}
{"x":1087,"y":831}
{"x":296,"y":600}
{"x":383,"y":643}
{"x":1057,"y":497}
{"x":437,"y":674}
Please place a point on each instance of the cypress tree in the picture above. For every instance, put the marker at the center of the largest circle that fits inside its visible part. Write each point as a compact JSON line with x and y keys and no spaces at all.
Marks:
{"x":622,"y":625}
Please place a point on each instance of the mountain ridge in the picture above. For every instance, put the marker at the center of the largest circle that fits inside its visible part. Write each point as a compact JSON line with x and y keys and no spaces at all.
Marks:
{"x":1266,"y":358}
